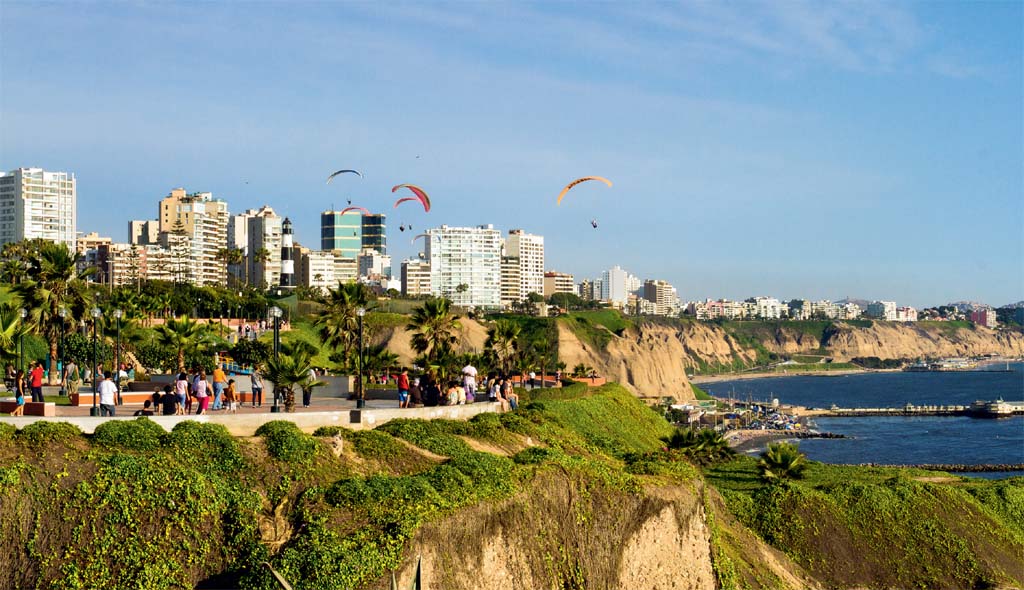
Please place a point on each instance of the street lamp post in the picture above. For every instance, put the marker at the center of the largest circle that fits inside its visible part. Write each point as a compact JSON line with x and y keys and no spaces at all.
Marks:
{"x":275,"y":312}
{"x":63,"y":313}
{"x":95,"y":410}
{"x":21,"y":339}
{"x":361,"y":399}
{"x":117,"y":356}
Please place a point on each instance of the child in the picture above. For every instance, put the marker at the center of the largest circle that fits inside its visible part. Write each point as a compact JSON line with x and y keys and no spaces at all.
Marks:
{"x":231,"y":396}
{"x":147,"y":409}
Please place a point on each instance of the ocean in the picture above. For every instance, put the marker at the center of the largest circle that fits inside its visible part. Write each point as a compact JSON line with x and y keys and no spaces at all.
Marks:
{"x":898,"y":440}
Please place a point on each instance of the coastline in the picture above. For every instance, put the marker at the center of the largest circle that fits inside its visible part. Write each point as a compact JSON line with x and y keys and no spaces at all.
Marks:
{"x":698,"y":379}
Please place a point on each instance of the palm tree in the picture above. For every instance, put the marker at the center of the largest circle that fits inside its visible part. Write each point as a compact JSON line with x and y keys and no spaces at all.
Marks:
{"x":502,"y":341}
{"x":434,"y":326}
{"x":291,"y":369}
{"x":182,"y":334}
{"x":53,"y":283}
{"x":781,"y":461}
{"x":704,"y":447}
{"x":337,"y":322}
{"x":11,"y":329}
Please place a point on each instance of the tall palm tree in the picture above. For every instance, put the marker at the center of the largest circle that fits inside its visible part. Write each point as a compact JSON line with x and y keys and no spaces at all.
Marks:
{"x":291,"y":369}
{"x":11,"y":329}
{"x":182,"y":334}
{"x":434,"y":326}
{"x":53,"y":283}
{"x":337,"y":322}
{"x":502,"y":341}
{"x":782,"y":461}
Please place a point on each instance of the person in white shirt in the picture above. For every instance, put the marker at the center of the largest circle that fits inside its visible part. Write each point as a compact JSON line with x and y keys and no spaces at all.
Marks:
{"x":108,"y":395}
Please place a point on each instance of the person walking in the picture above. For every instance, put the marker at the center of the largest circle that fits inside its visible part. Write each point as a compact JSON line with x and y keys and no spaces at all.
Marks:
{"x":19,"y":393}
{"x":37,"y":381}
{"x":307,"y":392}
{"x":108,"y":395}
{"x":181,"y":392}
{"x":231,"y":397}
{"x":202,"y":396}
{"x":403,"y":389}
{"x":220,"y":381}
{"x":257,"y":386}
{"x":169,"y":402}
{"x":71,"y":379}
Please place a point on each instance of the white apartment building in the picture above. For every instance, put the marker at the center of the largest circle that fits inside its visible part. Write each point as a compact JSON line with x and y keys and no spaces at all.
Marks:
{"x":558,"y":282}
{"x":511,"y":282}
{"x":906,"y":314}
{"x":415,"y":277}
{"x":204,"y":221}
{"x":882,"y":310}
{"x":766,"y":308}
{"x":373,"y":265}
{"x":824,"y":308}
{"x":528,"y":249}
{"x":850,"y":311}
{"x":615,"y":283}
{"x":315,"y":269}
{"x":264,"y":246}
{"x":465,"y":264}
{"x":35,"y":203}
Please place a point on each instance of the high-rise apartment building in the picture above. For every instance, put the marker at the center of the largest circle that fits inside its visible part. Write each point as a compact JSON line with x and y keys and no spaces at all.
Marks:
{"x":528,"y":249}
{"x":264,"y":260}
{"x":465,"y":264}
{"x":511,"y":281}
{"x":375,"y":235}
{"x":415,"y":277}
{"x":198,"y":223}
{"x":615,"y":283}
{"x":373,"y":265}
{"x":35,"y":203}
{"x":558,"y":282}
{"x":663,"y":295}
{"x":585,"y":290}
{"x":882,"y":310}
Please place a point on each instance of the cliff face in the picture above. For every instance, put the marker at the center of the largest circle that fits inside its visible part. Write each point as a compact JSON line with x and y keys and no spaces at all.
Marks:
{"x":888,"y":340}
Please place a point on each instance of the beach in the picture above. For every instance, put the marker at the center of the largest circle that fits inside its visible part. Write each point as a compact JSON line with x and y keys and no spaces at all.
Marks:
{"x":698,"y":379}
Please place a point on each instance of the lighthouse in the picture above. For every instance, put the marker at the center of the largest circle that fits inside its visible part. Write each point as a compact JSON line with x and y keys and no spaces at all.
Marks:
{"x":287,"y":262}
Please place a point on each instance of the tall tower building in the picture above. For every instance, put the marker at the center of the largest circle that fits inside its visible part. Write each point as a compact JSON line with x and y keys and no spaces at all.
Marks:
{"x":264,"y":258}
{"x":465,"y":264}
{"x":198,"y":223}
{"x":375,"y":232}
{"x":343,"y":232}
{"x":35,"y":203}
{"x":287,"y":261}
{"x":528,"y":249}
{"x":615,"y":285}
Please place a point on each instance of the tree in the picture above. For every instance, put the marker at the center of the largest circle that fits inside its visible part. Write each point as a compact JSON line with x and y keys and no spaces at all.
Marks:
{"x":338,"y":322}
{"x":703,"y":447}
{"x":11,"y":330}
{"x":434,"y":326}
{"x":53,"y":283}
{"x":250,"y":352}
{"x":502,"y":340}
{"x":181,"y":334}
{"x":291,"y":369}
{"x":781,"y":461}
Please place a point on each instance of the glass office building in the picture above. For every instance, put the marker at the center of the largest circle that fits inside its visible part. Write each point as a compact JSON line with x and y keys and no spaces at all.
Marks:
{"x":352,"y":232}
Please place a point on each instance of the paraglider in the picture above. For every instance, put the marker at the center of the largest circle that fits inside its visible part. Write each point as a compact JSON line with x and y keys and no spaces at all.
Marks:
{"x":421,"y":195}
{"x":404,"y":199}
{"x":401,"y":227}
{"x":593,"y":222}
{"x":331,"y":177}
{"x":569,"y":186}
{"x":363,"y":209}
{"x":418,"y":237}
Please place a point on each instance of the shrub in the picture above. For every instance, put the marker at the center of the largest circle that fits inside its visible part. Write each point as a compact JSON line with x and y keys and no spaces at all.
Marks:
{"x":208,"y":445}
{"x":332,"y":431}
{"x":45,"y":431}
{"x":7,"y":431}
{"x":141,"y":434}
{"x":286,"y":442}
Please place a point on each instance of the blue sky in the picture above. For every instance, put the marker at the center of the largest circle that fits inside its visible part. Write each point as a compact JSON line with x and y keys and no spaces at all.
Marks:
{"x":793,"y":149}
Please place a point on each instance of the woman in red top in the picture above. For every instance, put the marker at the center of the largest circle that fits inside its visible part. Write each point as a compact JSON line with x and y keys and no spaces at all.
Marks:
{"x":37,"y":382}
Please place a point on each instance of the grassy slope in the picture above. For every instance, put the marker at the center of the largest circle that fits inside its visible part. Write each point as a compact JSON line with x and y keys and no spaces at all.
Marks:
{"x":877,"y":527}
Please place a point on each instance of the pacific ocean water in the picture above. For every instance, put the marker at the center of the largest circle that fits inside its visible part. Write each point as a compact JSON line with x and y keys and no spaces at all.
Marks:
{"x":894,"y":439}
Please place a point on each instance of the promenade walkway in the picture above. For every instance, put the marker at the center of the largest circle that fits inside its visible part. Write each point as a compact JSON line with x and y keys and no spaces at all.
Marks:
{"x":323,"y":411}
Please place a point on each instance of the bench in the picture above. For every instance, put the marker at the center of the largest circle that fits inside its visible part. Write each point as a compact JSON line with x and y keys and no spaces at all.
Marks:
{"x":45,"y":409}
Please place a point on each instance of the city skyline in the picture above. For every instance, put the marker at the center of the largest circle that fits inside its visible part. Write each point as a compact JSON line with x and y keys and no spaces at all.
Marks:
{"x":787,"y":150}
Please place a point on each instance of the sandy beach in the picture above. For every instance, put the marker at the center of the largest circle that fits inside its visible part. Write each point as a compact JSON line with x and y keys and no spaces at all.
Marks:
{"x":698,"y":379}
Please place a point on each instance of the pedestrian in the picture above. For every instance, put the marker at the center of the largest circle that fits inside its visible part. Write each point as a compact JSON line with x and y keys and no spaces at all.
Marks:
{"x":231,"y":396}
{"x":157,"y":396}
{"x":37,"y":382}
{"x":415,"y":394}
{"x":403,"y":389}
{"x":181,"y":392}
{"x":70,"y":379}
{"x":19,"y":394}
{"x":431,"y":390}
{"x":510,"y":395}
{"x":202,"y":396}
{"x":307,"y":391}
{"x":220,"y":381}
{"x":9,"y":376}
{"x":533,"y":380}
{"x":257,"y":386}
{"x":169,"y":402}
{"x":108,"y":394}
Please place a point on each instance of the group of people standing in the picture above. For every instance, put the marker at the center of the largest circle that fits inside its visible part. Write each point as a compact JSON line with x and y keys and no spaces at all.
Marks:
{"x":427,"y":390}
{"x":21,"y":384}
{"x":202,"y":388}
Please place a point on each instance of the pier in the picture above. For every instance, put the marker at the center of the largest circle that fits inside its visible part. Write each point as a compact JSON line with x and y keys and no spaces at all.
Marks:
{"x":979,"y":409}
